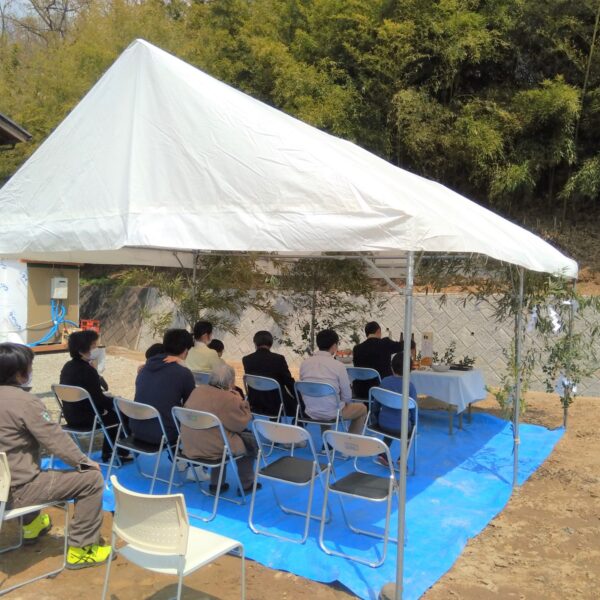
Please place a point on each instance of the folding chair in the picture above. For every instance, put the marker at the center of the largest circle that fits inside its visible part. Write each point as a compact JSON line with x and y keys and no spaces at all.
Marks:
{"x":358,"y":485}
{"x":18,"y":513}
{"x":201,"y":377}
{"x":265,"y":384}
{"x":393,"y":400}
{"x":316,"y":389}
{"x":289,"y":469}
{"x":158,"y":537}
{"x":71,"y":393}
{"x":139,"y":412}
{"x":201,"y":421}
{"x":362,"y":374}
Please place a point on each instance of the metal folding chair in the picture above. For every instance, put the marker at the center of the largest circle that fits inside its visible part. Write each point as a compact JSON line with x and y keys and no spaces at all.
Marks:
{"x":158,"y":537}
{"x":288,"y":469}
{"x":264,"y":384}
{"x":139,"y":411}
{"x":362,"y":374}
{"x":358,"y":485}
{"x":201,"y":377}
{"x":18,"y":513}
{"x":201,"y":421}
{"x":393,"y":400}
{"x":72,"y":393}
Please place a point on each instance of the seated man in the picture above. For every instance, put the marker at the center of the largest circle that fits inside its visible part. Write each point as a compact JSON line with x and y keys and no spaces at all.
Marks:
{"x":26,"y":426}
{"x":265,"y":363}
{"x":163,"y":382}
{"x":201,"y":357}
{"x":221,"y":399}
{"x":79,"y":371}
{"x":323,"y":367}
{"x":388,"y":419}
{"x":374,"y":353}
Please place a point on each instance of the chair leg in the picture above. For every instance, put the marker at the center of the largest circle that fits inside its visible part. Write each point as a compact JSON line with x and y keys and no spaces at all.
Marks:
{"x":107,"y":576}
{"x":180,"y":584}
{"x":243,"y":582}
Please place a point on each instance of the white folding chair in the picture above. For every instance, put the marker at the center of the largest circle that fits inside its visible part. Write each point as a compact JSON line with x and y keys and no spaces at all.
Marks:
{"x":264,"y":384}
{"x":201,"y":377}
{"x":200,"y":422}
{"x":392,"y":400}
{"x":362,"y":374}
{"x":139,"y":411}
{"x":288,"y":469}
{"x":158,"y":537}
{"x":72,"y":393}
{"x":358,"y":484}
{"x":18,"y":513}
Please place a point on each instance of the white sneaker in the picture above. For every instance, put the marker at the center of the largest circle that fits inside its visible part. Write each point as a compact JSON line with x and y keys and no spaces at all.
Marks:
{"x":201,"y":472}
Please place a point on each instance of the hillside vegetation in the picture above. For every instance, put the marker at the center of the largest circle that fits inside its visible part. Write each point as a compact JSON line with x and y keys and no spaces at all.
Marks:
{"x":498,"y":99}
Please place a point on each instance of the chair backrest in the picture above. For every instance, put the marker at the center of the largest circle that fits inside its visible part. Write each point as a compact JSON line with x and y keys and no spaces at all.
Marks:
{"x":136,"y":410}
{"x":201,"y":377}
{"x":280,"y":433}
{"x":69,"y":393}
{"x":354,"y":445}
{"x":362,"y":374}
{"x":315,"y":389}
{"x":194,"y":419}
{"x":154,"y":524}
{"x":261,"y":384}
{"x":4,"y":478}
{"x":389,"y":398}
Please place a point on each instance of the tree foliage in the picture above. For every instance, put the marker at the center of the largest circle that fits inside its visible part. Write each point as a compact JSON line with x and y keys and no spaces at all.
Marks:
{"x":485,"y":96}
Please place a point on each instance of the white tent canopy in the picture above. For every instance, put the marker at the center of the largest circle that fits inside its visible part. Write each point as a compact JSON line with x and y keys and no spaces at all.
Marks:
{"x":160,"y":156}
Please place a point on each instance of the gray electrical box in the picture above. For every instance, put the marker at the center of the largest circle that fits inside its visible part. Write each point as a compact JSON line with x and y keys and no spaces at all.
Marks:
{"x":59,"y":288}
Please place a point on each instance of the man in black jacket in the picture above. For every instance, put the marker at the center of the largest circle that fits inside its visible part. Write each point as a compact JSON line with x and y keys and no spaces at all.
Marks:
{"x":265,"y":363}
{"x":374,"y":353}
{"x":164,"y":382}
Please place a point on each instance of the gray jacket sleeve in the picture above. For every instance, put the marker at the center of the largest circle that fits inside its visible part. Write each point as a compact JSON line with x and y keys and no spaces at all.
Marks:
{"x":49,"y":434}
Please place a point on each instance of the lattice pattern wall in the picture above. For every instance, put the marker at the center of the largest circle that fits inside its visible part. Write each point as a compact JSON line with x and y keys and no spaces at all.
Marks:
{"x":471,"y":325}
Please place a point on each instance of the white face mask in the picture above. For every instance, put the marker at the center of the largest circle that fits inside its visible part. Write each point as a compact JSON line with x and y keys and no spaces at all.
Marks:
{"x":94,"y":354}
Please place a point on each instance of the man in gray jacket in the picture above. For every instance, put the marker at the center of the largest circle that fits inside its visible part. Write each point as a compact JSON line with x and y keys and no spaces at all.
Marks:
{"x":26,"y":426}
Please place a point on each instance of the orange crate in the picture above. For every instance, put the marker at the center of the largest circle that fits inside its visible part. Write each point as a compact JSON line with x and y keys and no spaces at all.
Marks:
{"x":92,"y":324}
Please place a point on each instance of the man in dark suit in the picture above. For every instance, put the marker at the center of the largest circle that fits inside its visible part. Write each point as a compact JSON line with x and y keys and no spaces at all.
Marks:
{"x":265,"y":363}
{"x":374,"y":353}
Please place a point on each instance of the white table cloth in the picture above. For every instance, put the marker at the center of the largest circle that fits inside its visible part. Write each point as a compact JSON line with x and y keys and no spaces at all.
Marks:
{"x":458,"y":388}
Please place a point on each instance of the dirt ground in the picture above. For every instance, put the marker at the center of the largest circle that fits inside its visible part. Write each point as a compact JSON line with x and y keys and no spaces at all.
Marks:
{"x":545,"y":544}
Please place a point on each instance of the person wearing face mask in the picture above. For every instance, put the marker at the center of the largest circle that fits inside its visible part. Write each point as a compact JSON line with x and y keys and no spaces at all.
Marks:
{"x":26,"y":427}
{"x":79,"y":371}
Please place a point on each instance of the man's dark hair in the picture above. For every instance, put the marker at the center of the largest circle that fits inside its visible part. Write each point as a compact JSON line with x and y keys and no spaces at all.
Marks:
{"x":216,"y":345}
{"x":80,"y":342}
{"x":15,"y":359}
{"x":398,"y":363}
{"x":263,"y":338}
{"x":372,"y":327}
{"x":326,"y":339}
{"x":201,"y":328}
{"x":177,"y":341}
{"x":155,"y":350}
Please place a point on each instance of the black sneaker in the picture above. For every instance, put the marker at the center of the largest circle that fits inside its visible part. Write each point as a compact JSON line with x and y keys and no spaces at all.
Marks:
{"x":213,"y":488}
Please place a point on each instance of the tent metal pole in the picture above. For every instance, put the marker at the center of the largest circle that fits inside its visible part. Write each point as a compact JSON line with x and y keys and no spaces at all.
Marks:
{"x":391,"y":591}
{"x":517,"y":397}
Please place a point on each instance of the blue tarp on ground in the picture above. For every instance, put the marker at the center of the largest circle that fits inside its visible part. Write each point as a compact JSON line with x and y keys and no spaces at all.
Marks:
{"x":462,"y":482}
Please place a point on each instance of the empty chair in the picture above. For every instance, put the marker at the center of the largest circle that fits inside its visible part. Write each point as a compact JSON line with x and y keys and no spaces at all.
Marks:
{"x":158,"y":537}
{"x":71,"y":393}
{"x":18,"y":513}
{"x":358,"y":485}
{"x":289,"y":469}
{"x":393,"y":400}
{"x":362,"y":375}
{"x":201,"y":377}
{"x":201,"y":421}
{"x":139,"y":412}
